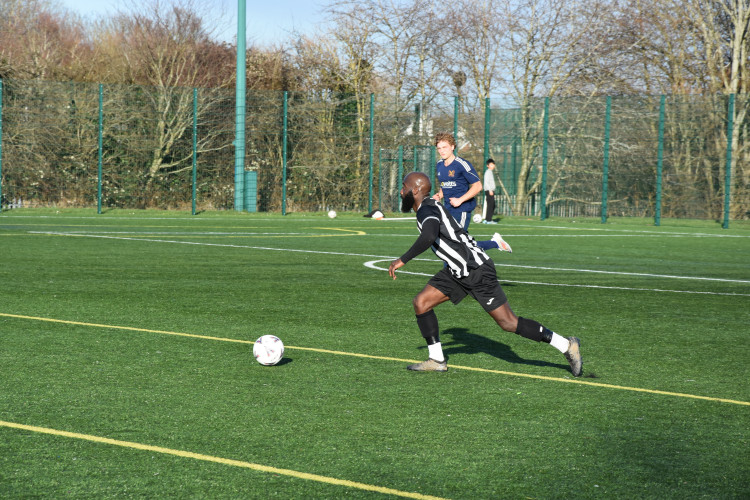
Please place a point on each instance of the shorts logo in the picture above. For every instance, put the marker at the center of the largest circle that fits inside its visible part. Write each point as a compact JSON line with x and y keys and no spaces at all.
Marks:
{"x":490,"y":301}
{"x":451,"y":173}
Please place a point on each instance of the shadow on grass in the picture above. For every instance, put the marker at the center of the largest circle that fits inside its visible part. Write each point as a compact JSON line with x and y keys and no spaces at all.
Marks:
{"x":461,"y":341}
{"x":284,"y":361}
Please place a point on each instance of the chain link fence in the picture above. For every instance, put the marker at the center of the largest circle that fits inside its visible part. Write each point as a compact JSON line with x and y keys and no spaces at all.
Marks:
{"x":88,"y":145}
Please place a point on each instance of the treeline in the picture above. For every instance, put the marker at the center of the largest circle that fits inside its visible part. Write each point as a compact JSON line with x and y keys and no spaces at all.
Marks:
{"x":415,"y":55}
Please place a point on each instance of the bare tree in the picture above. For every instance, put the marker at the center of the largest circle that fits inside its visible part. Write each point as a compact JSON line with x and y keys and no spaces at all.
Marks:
{"x":271,"y":69}
{"x":723,"y":27}
{"x":545,"y":44}
{"x":169,"y":49}
{"x":475,"y":43}
{"x":328,"y":129}
{"x":406,"y":40}
{"x":40,"y":41}
{"x":696,"y":48}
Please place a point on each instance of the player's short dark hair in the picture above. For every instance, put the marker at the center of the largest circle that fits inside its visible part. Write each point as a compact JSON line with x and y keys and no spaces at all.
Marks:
{"x":490,"y":160}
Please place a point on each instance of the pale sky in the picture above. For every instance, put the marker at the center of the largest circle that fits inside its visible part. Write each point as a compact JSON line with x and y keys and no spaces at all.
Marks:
{"x":267,"y":21}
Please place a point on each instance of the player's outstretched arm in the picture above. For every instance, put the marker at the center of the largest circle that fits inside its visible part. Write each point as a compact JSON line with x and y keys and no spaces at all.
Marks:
{"x":430,"y":230}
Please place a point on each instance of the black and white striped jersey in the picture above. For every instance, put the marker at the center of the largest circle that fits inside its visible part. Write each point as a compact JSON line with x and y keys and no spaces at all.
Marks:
{"x":447,"y":238}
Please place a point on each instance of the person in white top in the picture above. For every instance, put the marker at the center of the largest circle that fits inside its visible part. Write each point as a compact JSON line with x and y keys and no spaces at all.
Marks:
{"x":489,"y":192}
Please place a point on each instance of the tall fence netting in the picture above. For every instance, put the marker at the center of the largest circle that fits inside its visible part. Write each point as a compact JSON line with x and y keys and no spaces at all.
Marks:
{"x":80,"y":145}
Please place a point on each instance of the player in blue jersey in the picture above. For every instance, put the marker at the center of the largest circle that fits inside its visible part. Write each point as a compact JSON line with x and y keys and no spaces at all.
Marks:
{"x":459,"y":186}
{"x":468,"y":271}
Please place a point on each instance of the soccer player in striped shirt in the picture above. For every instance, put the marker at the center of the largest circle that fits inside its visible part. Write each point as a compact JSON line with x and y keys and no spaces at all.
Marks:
{"x":468,"y":271}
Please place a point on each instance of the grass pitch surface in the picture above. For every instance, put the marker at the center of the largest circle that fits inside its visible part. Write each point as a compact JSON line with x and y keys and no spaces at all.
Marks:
{"x":126,"y":366}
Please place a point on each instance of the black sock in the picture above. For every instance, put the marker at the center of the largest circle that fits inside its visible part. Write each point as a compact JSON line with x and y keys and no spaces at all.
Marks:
{"x":533,"y":330}
{"x":428,"y":327}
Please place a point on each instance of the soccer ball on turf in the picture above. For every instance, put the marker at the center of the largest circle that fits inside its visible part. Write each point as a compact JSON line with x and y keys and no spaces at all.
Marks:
{"x":268,"y":350}
{"x":332,"y":214}
{"x":477,"y":218}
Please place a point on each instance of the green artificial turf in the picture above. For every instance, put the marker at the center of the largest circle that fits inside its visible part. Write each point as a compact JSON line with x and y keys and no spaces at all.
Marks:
{"x":137,"y":327}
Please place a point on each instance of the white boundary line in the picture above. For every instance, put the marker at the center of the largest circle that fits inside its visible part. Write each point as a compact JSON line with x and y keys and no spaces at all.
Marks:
{"x":371,"y":265}
{"x":385,"y":258}
{"x":624,"y":273}
{"x":660,"y":231}
{"x":475,"y":235}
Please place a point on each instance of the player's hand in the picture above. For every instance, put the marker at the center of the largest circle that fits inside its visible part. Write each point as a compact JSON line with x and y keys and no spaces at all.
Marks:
{"x":455,"y":202}
{"x":394,"y":265}
{"x":436,"y":196}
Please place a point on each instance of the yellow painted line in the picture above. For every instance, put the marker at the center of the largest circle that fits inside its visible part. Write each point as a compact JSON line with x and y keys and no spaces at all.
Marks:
{"x":537,"y":377}
{"x":128,"y":328}
{"x":219,"y":460}
{"x":400,"y":360}
{"x":355,"y":231}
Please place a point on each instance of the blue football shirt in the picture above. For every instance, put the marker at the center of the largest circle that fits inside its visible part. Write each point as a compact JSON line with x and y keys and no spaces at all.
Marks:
{"x":455,"y":180}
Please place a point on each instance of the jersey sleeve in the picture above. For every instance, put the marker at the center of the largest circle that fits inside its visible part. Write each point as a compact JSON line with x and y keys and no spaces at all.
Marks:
{"x":429,"y":233}
{"x":469,"y":173}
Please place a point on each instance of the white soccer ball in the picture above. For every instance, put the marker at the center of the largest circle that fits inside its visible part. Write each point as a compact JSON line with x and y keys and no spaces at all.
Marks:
{"x":332,"y":214}
{"x":477,"y":218}
{"x":268,"y":350}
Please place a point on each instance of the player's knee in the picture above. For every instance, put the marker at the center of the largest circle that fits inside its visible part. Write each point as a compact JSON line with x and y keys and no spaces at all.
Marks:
{"x":505,"y":319}
{"x":420,"y":304}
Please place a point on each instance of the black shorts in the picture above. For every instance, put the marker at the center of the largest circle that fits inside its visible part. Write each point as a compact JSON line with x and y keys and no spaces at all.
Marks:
{"x":481,"y":283}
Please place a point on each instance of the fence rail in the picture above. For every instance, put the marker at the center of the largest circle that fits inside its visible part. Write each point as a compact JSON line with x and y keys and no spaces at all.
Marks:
{"x":88,"y":145}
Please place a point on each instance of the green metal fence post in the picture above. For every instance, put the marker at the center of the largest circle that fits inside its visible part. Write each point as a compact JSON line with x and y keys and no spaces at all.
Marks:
{"x":455,"y":117}
{"x":1,"y":143}
{"x":433,"y":166}
{"x":284,"y":153}
{"x":506,"y":170}
{"x":543,"y":201}
{"x":372,"y":150}
{"x":728,"y":168}
{"x":239,"y":112}
{"x":400,"y":171}
{"x":487,"y":119}
{"x":100,"y":134}
{"x":514,"y":154}
{"x":659,"y":162}
{"x":251,"y":190}
{"x":249,"y":185}
{"x":195,"y":148}
{"x":486,"y":156}
{"x":605,"y":166}
{"x":416,"y":130}
{"x":380,"y":179}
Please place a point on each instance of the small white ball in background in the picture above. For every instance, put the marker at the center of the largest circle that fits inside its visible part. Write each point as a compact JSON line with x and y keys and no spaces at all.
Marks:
{"x":332,"y":214}
{"x":477,"y":218}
